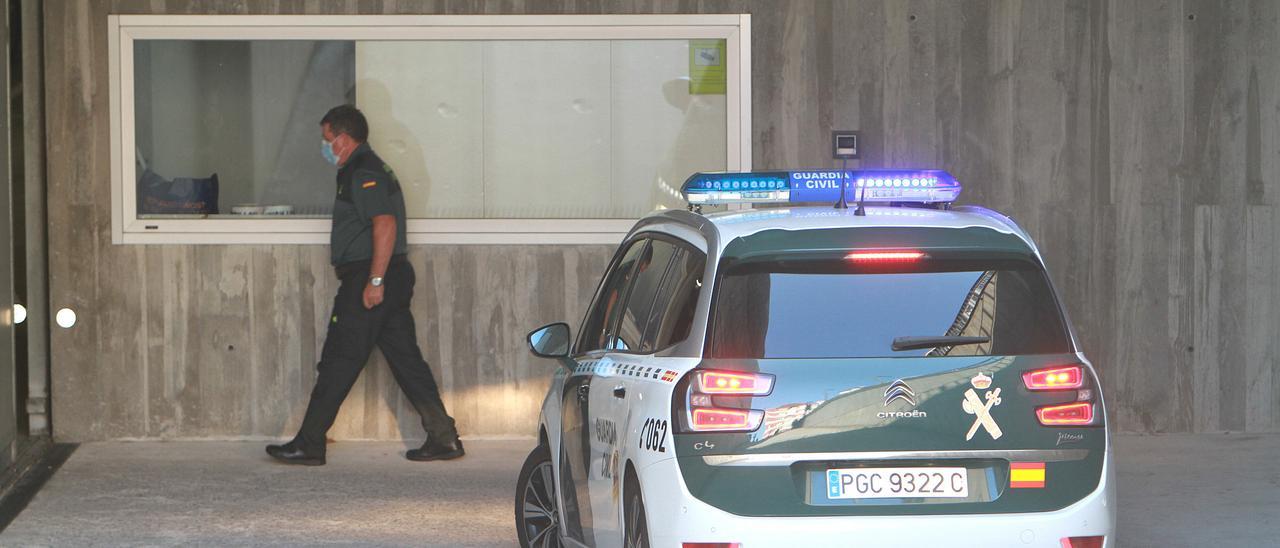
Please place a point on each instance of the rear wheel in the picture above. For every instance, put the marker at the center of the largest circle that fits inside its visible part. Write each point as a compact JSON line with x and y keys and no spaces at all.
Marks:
{"x":537,"y":516}
{"x":636,"y":534}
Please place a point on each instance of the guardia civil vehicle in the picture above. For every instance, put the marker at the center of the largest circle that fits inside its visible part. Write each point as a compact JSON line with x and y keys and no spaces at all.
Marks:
{"x":892,"y":371}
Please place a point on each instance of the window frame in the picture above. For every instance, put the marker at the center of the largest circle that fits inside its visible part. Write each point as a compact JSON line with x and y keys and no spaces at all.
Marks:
{"x":124,"y":30}
{"x":616,"y":328}
{"x":684,"y":248}
{"x":619,"y":256}
{"x":645,"y":238}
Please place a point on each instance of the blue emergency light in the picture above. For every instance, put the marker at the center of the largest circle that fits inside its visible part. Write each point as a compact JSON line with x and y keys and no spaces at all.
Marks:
{"x":928,"y":186}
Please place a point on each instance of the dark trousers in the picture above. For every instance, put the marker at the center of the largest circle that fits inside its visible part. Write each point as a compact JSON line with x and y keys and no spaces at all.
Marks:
{"x":353,"y":332}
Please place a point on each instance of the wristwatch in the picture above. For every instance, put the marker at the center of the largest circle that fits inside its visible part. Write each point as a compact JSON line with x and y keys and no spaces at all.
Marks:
{"x":375,"y":281}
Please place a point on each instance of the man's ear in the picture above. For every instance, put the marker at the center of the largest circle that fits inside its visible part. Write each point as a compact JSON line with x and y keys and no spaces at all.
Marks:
{"x":345,"y":143}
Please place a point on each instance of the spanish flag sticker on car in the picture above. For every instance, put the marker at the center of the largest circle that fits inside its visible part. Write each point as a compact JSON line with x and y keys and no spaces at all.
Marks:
{"x":1026,"y":475}
{"x":369,"y":184}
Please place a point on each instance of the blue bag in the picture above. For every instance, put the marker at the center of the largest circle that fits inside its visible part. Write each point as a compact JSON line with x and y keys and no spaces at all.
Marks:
{"x":181,"y":196}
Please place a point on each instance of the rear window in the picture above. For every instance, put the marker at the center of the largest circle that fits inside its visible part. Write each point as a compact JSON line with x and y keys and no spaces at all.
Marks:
{"x":831,"y":309}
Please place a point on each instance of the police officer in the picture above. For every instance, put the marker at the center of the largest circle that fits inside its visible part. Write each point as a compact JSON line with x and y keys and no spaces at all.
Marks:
{"x":372,"y":307}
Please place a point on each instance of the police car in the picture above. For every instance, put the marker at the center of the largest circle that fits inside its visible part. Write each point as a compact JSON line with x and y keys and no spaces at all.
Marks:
{"x":892,"y":371}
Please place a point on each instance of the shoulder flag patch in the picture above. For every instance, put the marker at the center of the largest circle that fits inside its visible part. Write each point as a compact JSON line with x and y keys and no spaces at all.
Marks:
{"x":369,"y":184}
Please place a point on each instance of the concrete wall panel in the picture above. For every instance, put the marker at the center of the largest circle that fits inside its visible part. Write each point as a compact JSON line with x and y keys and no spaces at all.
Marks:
{"x":1138,"y":141}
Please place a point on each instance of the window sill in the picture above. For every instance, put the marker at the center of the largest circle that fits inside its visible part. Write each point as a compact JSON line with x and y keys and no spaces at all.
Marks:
{"x":294,"y":231}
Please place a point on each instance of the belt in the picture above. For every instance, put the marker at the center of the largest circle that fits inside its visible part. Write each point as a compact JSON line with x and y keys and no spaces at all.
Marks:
{"x":355,"y":267}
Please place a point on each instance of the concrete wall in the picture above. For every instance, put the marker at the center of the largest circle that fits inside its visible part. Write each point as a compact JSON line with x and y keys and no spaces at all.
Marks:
{"x":1138,"y":141}
{"x":9,"y":227}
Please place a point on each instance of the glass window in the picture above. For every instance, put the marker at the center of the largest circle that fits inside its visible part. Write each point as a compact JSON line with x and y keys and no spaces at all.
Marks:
{"x":502,"y":129}
{"x":474,"y":129}
{"x":818,"y":312}
{"x":605,"y":310}
{"x":232,"y":126}
{"x":635,"y":316}
{"x":677,"y":302}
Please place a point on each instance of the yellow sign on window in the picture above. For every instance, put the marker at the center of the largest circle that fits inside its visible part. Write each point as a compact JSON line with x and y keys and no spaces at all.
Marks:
{"x":708,"y":73}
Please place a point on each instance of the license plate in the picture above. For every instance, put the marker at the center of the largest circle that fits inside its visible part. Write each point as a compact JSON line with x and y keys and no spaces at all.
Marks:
{"x":876,"y":483}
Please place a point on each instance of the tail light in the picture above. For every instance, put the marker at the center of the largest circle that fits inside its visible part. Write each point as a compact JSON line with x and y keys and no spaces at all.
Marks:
{"x":732,"y":383}
{"x":1071,"y":414}
{"x":1083,"y":542}
{"x":715,"y":402}
{"x":717,"y":419}
{"x":1055,"y":378}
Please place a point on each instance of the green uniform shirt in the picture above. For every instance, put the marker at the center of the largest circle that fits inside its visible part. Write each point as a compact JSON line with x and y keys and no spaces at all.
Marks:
{"x":366,"y":188}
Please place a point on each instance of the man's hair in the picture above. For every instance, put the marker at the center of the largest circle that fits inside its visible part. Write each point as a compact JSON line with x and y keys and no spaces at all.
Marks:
{"x":346,"y":119}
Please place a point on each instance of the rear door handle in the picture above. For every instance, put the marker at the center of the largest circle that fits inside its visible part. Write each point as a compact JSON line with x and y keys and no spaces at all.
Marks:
{"x":620,"y":392}
{"x":583,"y":390}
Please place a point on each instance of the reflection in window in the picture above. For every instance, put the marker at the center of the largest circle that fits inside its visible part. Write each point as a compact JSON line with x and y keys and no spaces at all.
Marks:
{"x":245,"y":111}
{"x":640,"y":299}
{"x":599,"y":322}
{"x":796,"y":313}
{"x":474,"y":129}
{"x":675,"y":306}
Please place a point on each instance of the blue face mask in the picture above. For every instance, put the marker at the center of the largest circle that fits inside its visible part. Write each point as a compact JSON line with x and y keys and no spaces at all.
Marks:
{"x":326,"y":150}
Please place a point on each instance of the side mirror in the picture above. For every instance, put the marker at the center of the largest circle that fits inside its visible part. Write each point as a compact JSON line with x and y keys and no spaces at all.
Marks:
{"x":551,"y":341}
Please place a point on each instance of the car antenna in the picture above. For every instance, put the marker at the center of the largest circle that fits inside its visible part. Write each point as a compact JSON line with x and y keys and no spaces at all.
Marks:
{"x":861,"y":211}
{"x":843,"y":202}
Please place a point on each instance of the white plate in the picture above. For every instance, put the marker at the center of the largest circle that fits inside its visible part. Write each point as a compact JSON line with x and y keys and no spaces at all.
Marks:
{"x":879,"y":483}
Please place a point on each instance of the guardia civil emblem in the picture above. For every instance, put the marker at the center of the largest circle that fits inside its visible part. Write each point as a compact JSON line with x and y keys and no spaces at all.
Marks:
{"x":980,"y":407}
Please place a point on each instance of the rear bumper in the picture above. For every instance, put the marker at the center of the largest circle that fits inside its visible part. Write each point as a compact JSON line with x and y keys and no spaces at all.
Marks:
{"x":683,"y":518}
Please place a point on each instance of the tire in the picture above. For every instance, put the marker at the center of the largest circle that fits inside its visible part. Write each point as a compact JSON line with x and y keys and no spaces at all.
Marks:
{"x":635,"y":533}
{"x":537,"y":512}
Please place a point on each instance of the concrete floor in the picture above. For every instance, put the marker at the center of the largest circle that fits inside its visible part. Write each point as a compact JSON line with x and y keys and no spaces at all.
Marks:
{"x":232,"y":493}
{"x":1174,"y":491}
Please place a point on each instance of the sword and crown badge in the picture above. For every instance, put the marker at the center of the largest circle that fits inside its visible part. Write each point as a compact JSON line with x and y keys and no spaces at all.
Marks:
{"x":981,"y":409}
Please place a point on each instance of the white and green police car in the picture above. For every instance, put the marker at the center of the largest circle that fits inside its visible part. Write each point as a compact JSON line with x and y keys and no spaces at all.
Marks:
{"x":895,"y":373}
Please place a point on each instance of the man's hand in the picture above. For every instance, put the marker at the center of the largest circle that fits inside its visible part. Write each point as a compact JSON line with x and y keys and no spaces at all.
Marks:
{"x":372,"y":295}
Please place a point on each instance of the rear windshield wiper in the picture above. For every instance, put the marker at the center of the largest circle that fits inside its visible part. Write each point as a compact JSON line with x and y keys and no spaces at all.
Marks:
{"x":916,"y":343}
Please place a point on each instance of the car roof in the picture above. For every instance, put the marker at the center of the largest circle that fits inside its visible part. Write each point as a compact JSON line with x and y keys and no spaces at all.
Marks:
{"x":721,"y":228}
{"x":734,"y":224}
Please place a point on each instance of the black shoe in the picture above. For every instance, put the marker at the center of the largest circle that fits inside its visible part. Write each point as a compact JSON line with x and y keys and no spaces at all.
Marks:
{"x":290,"y":453}
{"x":437,"y":451}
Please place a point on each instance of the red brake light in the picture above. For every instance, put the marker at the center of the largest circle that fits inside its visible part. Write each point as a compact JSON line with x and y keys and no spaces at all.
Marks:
{"x":705,"y":416}
{"x":1083,"y":542}
{"x":728,"y":383}
{"x":884,"y":256}
{"x":1071,"y":414}
{"x":724,"y":420}
{"x":1056,"y":378}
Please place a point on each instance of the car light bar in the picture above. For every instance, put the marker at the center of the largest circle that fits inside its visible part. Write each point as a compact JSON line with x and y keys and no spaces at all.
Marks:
{"x":1056,"y":378}
{"x":1071,"y":414}
{"x":867,"y":185}
{"x":865,"y":257}
{"x":718,"y":419}
{"x":729,"y":383}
